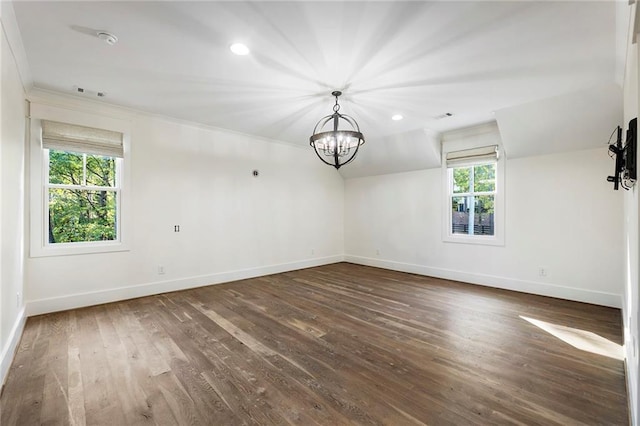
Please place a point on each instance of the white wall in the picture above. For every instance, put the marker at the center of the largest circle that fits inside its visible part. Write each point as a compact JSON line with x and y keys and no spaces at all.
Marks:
{"x":235,"y":226}
{"x":561,"y":214}
{"x":12,"y":163}
{"x":232,"y":225}
{"x":631,"y":247}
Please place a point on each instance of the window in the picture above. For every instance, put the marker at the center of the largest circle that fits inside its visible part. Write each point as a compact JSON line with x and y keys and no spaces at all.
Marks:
{"x":82,"y":189}
{"x":83,"y":197}
{"x":77,"y":188}
{"x":473,"y":198}
{"x":473,"y":191}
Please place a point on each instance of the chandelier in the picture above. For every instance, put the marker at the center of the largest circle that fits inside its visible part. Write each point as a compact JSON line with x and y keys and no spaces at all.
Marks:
{"x":336,"y":147}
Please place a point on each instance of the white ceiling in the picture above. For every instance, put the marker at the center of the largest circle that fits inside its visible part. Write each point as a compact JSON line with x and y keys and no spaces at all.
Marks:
{"x":420,"y":59}
{"x":578,"y":120}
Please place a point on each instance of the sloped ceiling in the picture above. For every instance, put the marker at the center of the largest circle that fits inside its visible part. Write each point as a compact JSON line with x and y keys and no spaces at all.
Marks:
{"x":578,"y":120}
{"x":420,"y":59}
{"x":414,"y":150}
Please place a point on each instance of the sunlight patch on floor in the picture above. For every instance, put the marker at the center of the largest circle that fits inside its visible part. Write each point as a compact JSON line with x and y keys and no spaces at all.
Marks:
{"x":580,"y":339}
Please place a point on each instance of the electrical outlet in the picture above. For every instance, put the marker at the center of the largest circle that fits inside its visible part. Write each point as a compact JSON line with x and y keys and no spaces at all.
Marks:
{"x":377,"y":252}
{"x":542,"y":271}
{"x":18,"y":300}
{"x":313,"y":251}
{"x":160,"y":270}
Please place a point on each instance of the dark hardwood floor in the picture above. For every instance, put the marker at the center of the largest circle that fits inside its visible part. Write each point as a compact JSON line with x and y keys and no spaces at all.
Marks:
{"x":338,"y":344}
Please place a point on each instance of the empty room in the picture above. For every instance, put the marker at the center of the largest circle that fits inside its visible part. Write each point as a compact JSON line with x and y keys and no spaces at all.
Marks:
{"x":319,"y":213}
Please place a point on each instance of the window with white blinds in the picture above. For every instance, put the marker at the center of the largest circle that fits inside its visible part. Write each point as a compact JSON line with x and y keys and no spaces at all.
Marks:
{"x":469,"y":157}
{"x":81,"y":183}
{"x":74,"y":138}
{"x":473,"y":179}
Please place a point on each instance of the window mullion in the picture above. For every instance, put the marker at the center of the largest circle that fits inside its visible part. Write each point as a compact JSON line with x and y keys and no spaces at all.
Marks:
{"x":471,"y":202}
{"x":118,"y":179}
{"x":46,"y":197}
{"x":84,"y":169}
{"x":82,"y":187}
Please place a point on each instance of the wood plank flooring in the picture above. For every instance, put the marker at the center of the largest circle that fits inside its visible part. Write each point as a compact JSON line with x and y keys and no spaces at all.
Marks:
{"x":333,"y":345}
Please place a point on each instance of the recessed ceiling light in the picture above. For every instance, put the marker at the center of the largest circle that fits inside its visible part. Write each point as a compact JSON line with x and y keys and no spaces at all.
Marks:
{"x":397,"y":117}
{"x":239,"y":49}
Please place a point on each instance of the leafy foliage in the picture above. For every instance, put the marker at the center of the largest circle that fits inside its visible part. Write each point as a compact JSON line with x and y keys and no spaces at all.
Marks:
{"x":80,"y":212}
{"x":461,"y":179}
{"x":484,"y":178}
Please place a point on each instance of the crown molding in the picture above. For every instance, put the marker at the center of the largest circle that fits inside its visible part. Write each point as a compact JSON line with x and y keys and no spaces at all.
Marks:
{"x":14,"y":39}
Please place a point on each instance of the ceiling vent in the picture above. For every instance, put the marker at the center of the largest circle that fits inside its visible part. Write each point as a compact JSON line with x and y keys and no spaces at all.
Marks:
{"x":89,"y":93}
{"x":445,"y":115}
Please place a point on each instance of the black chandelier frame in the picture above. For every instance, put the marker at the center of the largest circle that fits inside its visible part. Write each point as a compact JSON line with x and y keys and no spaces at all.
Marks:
{"x":338,"y":145}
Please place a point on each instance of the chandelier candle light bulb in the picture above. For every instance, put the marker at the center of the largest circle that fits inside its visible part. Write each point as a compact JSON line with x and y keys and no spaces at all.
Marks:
{"x":336,"y":147}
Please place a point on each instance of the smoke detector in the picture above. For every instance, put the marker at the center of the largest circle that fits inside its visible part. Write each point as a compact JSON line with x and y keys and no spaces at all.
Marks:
{"x":108,"y":38}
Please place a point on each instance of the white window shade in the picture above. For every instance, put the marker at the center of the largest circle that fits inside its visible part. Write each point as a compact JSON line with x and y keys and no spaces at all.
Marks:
{"x":469,"y":157}
{"x":70,"y":137}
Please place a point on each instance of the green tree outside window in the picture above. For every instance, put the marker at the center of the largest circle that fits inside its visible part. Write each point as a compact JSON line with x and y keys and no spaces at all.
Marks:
{"x":82,"y":197}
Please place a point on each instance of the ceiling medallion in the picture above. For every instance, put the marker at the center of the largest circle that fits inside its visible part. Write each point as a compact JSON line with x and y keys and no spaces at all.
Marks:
{"x":336,"y":147}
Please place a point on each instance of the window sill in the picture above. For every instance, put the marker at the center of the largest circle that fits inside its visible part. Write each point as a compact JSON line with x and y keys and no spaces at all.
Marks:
{"x":479,"y":240}
{"x":71,"y":249}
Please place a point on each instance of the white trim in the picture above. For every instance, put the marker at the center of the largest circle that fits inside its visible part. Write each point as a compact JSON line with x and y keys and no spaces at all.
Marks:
{"x":543,"y":289}
{"x":14,"y":39}
{"x":630,"y":362}
{"x":38,"y":244}
{"x":74,"y":102}
{"x":54,"y":304}
{"x":630,"y":371}
{"x":9,"y":350}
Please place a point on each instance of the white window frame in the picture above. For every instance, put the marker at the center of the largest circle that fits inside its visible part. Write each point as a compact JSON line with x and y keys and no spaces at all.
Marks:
{"x":498,"y":239}
{"x":38,"y":174}
{"x":117,"y":189}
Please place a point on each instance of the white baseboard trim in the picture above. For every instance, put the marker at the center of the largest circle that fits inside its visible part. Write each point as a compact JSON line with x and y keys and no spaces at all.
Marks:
{"x":630,"y":374}
{"x":543,"y":289}
{"x":10,"y":347}
{"x":62,"y":303}
{"x":630,"y":367}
